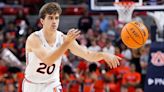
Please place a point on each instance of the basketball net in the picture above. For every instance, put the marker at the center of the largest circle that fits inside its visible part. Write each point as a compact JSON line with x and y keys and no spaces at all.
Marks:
{"x":125,"y":10}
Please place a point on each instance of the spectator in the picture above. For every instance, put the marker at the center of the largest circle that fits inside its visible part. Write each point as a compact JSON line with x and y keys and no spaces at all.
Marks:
{"x":83,"y":41}
{"x":2,"y":21}
{"x":88,"y":82}
{"x":145,"y":50}
{"x":96,"y":26}
{"x":94,"y":46}
{"x":10,"y":27}
{"x":153,"y":32}
{"x":10,"y":42}
{"x":9,"y":84}
{"x":102,"y":39}
{"x":109,"y":47}
{"x":131,"y":80}
{"x":120,"y":71}
{"x":126,"y":52}
{"x":21,"y":17}
{"x":111,"y":86}
{"x":136,"y":59}
{"x":22,"y":23}
{"x":85,"y":22}
{"x":104,"y":23}
{"x":90,"y":35}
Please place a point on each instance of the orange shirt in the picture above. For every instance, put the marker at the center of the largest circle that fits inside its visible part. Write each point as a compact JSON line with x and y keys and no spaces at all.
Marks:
{"x":120,"y":71}
{"x":88,"y":84}
{"x":133,"y":78}
{"x":99,"y":86}
{"x":113,"y":87}
{"x":99,"y":83}
{"x":82,"y":65}
{"x":74,"y":86}
{"x":65,"y":84}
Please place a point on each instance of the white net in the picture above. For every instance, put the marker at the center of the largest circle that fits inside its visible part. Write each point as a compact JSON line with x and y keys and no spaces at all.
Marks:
{"x":125,"y":10}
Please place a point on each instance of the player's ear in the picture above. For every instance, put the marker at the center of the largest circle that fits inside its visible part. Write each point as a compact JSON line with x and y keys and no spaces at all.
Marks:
{"x":41,"y":21}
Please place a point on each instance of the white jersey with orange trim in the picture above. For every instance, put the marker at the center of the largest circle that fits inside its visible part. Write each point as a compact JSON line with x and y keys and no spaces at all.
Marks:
{"x":37,"y":71}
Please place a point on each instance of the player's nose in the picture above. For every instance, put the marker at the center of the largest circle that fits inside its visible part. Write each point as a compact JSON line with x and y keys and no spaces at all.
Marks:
{"x":54,"y":21}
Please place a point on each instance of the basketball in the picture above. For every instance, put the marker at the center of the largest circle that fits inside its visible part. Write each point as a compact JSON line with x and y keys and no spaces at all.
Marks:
{"x":134,"y":34}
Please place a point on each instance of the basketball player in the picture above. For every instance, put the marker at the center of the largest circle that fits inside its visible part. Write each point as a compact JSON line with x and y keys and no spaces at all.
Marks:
{"x":44,"y":49}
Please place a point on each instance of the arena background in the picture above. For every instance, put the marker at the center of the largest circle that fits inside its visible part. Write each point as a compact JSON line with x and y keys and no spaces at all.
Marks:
{"x":100,"y":32}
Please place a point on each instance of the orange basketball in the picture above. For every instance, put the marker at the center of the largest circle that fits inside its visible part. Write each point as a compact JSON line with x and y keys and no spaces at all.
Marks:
{"x":134,"y":34}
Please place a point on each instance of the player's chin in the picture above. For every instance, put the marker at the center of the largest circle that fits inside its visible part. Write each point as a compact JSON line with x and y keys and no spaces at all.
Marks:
{"x":54,"y":28}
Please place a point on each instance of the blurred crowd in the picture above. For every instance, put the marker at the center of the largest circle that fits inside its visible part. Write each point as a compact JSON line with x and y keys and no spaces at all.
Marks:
{"x":78,"y":75}
{"x":104,"y":35}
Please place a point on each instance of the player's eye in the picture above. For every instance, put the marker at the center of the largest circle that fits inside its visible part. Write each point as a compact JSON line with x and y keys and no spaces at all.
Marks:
{"x":56,"y":18}
{"x":51,"y":18}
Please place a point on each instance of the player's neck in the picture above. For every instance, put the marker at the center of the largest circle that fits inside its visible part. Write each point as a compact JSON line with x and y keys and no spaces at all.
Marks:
{"x":49,"y":36}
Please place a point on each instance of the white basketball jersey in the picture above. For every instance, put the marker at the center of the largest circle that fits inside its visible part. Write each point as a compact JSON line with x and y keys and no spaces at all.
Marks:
{"x":38,"y":72}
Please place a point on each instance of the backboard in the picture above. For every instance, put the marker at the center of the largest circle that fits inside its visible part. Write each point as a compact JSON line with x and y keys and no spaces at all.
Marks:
{"x":142,"y":5}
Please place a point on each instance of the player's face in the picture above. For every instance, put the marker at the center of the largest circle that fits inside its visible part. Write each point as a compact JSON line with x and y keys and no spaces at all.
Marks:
{"x":133,"y":67}
{"x":51,"y":22}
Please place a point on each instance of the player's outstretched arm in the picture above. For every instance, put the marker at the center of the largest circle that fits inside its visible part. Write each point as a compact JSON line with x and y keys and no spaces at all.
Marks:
{"x":111,"y":60}
{"x":48,"y":57}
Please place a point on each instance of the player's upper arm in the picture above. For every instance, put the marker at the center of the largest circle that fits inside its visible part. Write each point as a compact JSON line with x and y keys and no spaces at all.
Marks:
{"x":34,"y":44}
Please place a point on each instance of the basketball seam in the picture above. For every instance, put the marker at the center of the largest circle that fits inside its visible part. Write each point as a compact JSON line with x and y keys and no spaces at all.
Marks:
{"x":139,"y":32}
{"x":132,"y":37}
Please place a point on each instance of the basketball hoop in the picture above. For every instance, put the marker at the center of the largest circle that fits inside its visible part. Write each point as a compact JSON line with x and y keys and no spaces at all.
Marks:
{"x":125,"y":10}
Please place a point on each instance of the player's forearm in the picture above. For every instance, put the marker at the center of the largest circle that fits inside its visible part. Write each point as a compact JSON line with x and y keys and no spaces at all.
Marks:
{"x":93,"y":56}
{"x":50,"y":59}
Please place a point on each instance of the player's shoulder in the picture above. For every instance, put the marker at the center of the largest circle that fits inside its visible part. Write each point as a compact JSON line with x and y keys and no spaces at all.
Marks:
{"x":33,"y":36}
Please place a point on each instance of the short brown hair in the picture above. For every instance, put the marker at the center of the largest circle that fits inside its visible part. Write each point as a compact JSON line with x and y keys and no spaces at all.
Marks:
{"x":49,"y":8}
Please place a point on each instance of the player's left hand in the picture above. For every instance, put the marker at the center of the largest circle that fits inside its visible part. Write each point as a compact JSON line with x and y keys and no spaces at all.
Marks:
{"x":112,"y":60}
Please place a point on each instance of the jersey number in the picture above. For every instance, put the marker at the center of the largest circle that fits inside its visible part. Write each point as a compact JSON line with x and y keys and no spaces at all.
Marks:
{"x":45,"y":68}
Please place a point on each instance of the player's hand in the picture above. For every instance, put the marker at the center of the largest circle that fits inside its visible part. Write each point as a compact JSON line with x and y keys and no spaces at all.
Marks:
{"x":112,"y":60}
{"x":72,"y":35}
